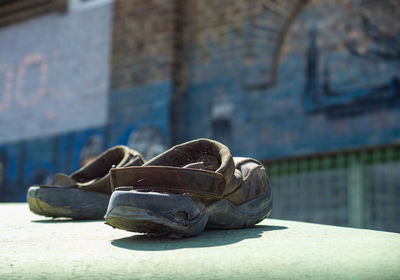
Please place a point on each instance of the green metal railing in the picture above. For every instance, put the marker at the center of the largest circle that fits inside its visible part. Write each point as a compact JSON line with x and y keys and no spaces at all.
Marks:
{"x":352,"y":188}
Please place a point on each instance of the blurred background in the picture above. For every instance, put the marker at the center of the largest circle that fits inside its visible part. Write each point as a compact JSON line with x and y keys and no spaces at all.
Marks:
{"x":310,"y":88}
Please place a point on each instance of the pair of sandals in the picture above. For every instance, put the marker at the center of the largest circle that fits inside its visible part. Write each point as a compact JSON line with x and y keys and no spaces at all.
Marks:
{"x":178,"y":193}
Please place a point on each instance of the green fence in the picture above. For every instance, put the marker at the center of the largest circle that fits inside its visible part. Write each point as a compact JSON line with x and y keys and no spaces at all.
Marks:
{"x":353,"y":188}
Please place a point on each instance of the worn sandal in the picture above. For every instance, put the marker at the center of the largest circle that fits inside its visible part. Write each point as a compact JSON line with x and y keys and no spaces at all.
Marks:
{"x":189,"y":187}
{"x":85,"y":193}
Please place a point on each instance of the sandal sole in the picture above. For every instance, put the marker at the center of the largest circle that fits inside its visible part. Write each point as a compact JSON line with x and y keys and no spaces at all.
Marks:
{"x":67,"y":202}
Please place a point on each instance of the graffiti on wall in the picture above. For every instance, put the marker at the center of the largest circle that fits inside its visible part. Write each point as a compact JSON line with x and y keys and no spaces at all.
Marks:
{"x":367,"y":46}
{"x":53,"y":76}
{"x":349,"y":43}
{"x":312,"y":77}
{"x":34,"y":64}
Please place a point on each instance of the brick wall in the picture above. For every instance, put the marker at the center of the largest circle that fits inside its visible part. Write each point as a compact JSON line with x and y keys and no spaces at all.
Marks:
{"x":143,"y":42}
{"x":324,"y":96}
{"x":144,"y":51}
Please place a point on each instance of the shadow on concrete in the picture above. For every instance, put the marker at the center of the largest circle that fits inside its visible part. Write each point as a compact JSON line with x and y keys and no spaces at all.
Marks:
{"x":208,"y":238}
{"x":63,"y":220}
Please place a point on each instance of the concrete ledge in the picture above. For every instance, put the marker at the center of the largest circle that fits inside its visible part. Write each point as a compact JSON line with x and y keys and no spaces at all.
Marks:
{"x":34,"y":247}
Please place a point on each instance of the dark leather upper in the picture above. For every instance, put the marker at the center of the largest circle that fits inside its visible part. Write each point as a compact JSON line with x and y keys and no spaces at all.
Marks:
{"x":95,"y":175}
{"x":201,"y":168}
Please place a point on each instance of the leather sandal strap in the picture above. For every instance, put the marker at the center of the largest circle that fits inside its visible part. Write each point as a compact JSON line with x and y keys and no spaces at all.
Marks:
{"x":196,"y":182}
